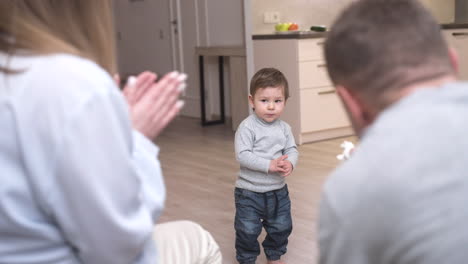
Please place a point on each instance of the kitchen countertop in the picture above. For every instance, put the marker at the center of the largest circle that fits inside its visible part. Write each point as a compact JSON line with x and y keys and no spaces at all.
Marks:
{"x":454,"y":25}
{"x":291,"y":35}
{"x":313,"y":34}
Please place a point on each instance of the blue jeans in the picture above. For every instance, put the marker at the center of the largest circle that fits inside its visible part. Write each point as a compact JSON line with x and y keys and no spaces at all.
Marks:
{"x":272,"y":210}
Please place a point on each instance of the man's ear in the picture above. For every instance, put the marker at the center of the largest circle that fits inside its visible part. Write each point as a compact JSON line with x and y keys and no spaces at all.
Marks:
{"x":358,"y":112}
{"x":454,"y":59}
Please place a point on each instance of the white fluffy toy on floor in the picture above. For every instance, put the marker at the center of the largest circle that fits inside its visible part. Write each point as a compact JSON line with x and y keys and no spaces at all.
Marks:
{"x":348,"y":148}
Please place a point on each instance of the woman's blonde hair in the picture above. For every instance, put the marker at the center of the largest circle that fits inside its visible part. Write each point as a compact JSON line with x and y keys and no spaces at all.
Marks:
{"x":79,"y":27}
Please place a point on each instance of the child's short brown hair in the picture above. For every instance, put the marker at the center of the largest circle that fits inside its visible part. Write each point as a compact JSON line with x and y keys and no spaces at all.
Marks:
{"x":269,"y":77}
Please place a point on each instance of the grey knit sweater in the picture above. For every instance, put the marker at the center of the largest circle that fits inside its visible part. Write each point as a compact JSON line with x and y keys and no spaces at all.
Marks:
{"x":257,"y":143}
{"x":402,"y":197}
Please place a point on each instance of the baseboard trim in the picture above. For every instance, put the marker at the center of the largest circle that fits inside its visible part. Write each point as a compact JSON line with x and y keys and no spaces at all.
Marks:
{"x":325,"y":134}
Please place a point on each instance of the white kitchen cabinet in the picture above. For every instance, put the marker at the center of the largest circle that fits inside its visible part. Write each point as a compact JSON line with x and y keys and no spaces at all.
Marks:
{"x":458,"y":39}
{"x":314,"y":111}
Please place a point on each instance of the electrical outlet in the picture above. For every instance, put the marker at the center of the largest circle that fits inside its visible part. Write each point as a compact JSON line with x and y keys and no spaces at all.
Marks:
{"x":271,"y":17}
{"x":275,"y":17}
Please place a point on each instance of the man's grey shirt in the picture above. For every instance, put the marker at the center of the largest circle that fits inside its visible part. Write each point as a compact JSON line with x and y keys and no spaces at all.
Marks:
{"x":402,"y":197}
{"x":257,"y":143}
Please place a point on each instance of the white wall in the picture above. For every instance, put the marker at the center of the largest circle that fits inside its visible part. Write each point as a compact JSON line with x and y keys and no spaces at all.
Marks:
{"x":322,"y":12}
{"x":443,"y":10}
{"x":203,"y":23}
{"x":144,"y":36}
{"x":221,"y":23}
{"x":304,"y":12}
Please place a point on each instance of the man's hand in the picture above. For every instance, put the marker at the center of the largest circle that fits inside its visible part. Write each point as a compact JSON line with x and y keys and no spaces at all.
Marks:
{"x":275,"y":165}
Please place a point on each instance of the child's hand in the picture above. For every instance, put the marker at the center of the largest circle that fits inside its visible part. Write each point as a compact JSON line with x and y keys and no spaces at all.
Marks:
{"x":274,"y":164}
{"x":287,"y":166}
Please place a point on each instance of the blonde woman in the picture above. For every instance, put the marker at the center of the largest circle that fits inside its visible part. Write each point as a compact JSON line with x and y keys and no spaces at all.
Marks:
{"x":80,"y":181}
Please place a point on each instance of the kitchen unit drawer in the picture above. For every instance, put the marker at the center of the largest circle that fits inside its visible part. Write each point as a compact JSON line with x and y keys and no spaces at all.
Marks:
{"x":321,"y":109}
{"x":311,"y":49}
{"x":313,"y":110}
{"x":458,"y":40}
{"x":313,"y":74}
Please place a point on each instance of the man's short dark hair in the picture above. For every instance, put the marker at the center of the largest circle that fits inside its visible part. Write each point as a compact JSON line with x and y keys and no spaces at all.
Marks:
{"x":269,"y":77}
{"x":378,"y":46}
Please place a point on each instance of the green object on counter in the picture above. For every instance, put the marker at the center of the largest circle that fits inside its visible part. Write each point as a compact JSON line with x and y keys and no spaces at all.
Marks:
{"x":318,"y":28}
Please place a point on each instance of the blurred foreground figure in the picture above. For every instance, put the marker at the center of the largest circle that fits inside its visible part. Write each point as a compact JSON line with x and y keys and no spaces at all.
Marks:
{"x":401,"y":197}
{"x":80,"y":181}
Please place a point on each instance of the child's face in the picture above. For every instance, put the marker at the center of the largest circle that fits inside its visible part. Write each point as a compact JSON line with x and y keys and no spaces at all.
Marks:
{"x":268,"y":103}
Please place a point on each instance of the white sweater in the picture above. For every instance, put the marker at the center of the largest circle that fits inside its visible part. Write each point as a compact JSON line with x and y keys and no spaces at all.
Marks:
{"x":76,"y":184}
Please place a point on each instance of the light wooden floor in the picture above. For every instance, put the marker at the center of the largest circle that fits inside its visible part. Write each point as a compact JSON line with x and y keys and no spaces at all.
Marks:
{"x":200,"y":170}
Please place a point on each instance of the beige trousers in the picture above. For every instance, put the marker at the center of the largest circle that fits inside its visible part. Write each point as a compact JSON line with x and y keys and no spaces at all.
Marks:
{"x":185,"y":242}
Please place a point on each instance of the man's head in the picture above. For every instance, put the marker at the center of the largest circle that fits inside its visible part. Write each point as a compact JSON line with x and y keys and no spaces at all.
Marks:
{"x":268,"y":93}
{"x":378,"y":48}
